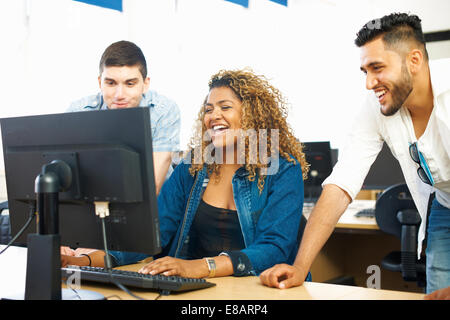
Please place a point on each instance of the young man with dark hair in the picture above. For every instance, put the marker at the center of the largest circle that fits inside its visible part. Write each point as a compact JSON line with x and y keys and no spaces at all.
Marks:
{"x":124,"y":83}
{"x":413,"y":97}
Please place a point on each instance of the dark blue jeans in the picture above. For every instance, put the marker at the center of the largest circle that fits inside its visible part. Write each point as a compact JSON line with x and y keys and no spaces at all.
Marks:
{"x":438,"y":248}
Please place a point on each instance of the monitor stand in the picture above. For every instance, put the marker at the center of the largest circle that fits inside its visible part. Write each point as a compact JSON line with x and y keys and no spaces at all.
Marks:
{"x":43,"y":277}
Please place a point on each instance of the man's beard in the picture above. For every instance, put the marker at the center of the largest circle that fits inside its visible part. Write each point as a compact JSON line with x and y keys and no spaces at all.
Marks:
{"x":400,"y":92}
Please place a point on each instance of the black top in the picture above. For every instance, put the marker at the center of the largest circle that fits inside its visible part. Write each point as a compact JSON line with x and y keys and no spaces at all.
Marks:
{"x":213,"y":231}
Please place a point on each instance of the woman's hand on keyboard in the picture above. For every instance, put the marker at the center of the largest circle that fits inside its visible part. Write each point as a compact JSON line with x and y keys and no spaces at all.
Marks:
{"x":169,"y":266}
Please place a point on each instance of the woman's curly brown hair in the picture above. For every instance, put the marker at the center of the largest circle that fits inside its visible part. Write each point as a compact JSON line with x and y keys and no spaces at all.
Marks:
{"x":263,"y":107}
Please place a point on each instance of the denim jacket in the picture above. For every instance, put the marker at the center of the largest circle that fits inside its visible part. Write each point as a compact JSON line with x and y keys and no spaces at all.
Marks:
{"x":269,"y":221}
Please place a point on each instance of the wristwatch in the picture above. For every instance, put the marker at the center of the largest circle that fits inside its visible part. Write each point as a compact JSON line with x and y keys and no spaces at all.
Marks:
{"x":211,"y":267}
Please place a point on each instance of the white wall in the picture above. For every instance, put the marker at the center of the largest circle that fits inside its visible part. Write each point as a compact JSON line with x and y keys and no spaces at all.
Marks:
{"x":51,"y":49}
{"x":439,"y":49}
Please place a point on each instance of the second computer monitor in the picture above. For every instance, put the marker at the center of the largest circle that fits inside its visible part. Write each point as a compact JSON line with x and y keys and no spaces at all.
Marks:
{"x":318,"y":155}
{"x":384,"y":172}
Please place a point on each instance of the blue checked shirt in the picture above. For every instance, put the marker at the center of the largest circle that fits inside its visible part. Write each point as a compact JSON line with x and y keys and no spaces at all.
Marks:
{"x":164,"y":117}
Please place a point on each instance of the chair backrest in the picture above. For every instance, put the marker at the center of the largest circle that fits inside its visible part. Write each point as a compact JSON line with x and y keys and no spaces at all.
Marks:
{"x":5,"y":227}
{"x":301,"y":228}
{"x":396,"y":214}
{"x":393,"y":200}
{"x":3,"y":206}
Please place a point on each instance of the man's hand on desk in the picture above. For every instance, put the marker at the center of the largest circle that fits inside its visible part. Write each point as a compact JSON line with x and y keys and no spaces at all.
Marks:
{"x":67,"y":251}
{"x":74,"y":261}
{"x":81,"y":257}
{"x":442,"y":294}
{"x":282,"y":276}
{"x":170,"y":266}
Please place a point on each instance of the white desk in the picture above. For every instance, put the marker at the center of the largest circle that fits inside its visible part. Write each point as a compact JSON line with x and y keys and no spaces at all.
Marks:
{"x":348,"y":220}
{"x":13,"y":269}
{"x":13,"y":266}
{"x":355,"y":244}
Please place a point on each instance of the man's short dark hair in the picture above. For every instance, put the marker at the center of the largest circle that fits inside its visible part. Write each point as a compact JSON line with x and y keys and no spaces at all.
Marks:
{"x":395,"y":28}
{"x":123,"y":53}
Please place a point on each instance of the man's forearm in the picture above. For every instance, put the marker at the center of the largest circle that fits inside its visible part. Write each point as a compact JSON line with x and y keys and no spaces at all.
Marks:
{"x":94,"y":259}
{"x":161,"y":164}
{"x":331,"y":205}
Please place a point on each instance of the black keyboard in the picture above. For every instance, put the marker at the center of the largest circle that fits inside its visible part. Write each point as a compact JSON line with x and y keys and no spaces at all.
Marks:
{"x":368,"y":213}
{"x":165,"y":284}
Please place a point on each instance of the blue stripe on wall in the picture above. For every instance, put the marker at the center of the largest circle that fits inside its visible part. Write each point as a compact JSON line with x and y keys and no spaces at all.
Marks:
{"x":110,"y":4}
{"x":283,"y":2}
{"x":243,"y":3}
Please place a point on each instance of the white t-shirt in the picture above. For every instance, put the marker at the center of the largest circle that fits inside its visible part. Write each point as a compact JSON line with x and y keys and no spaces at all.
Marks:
{"x":430,"y":145}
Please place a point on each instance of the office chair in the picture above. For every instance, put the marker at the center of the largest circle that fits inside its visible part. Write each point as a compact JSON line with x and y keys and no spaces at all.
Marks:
{"x":301,"y":228}
{"x":396,"y":214}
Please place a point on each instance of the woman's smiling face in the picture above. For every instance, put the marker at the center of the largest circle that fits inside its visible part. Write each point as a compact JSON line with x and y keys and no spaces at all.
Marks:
{"x":223,"y":111}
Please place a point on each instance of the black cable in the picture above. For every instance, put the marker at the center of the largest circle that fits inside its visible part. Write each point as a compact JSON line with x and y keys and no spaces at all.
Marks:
{"x":123,"y":288}
{"x":31,"y":216}
{"x":107,"y":260}
{"x":75,"y":292}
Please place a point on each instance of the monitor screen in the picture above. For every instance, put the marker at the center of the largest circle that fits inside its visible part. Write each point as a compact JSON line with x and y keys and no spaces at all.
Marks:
{"x":384,"y":172}
{"x":318,"y":155}
{"x":109,"y":153}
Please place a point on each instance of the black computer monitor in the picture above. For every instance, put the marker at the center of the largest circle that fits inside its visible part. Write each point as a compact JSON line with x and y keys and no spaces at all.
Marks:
{"x":110,"y":156}
{"x":318,"y":155}
{"x":384,"y":172}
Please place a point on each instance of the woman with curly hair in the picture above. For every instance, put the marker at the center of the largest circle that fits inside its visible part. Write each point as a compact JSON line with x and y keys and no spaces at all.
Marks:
{"x":233,"y":206}
{"x":237,"y":213}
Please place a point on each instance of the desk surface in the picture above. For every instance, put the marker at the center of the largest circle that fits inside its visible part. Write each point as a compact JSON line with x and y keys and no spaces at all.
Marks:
{"x":348,"y":219}
{"x":12,"y":278}
{"x":250,"y":288}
